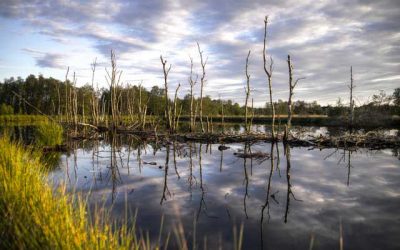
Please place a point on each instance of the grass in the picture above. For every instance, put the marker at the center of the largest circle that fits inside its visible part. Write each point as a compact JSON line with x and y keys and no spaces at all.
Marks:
{"x":48,"y":134}
{"x":34,"y":215}
{"x":22,"y":119}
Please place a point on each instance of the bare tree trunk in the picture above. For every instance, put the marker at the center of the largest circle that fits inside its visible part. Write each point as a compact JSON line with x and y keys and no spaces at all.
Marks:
{"x":66,"y":95}
{"x":192,"y":83}
{"x":351,"y":87}
{"x":75,"y":103}
{"x":59,"y":101}
{"x":113,"y":80}
{"x":290,"y":103}
{"x":252,"y":112}
{"x":202,"y":81}
{"x":94,"y":101}
{"x":247,"y":93}
{"x":167,"y":108}
{"x":223,"y":116}
{"x":175,"y":114}
{"x":269,"y":75}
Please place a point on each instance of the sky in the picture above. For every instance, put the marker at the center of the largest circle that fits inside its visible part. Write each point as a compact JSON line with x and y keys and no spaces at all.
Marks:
{"x":324,"y":38}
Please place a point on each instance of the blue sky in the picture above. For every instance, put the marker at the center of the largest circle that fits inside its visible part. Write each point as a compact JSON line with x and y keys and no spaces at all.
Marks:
{"x":324,"y":38}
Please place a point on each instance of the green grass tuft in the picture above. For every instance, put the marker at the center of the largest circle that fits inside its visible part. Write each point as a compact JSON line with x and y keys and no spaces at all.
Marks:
{"x":48,"y":134}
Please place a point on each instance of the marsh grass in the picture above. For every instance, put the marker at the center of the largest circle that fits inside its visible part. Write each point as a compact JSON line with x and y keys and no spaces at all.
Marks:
{"x":48,"y":134}
{"x":22,"y":119}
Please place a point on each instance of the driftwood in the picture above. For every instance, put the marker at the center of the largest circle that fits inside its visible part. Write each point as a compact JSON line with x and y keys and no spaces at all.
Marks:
{"x":372,"y":140}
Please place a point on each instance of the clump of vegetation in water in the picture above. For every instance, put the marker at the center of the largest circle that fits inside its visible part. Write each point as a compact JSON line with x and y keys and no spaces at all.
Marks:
{"x":48,"y":134}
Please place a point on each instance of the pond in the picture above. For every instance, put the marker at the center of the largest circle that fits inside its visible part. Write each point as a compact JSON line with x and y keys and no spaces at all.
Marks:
{"x":285,"y":198}
{"x":306,"y":197}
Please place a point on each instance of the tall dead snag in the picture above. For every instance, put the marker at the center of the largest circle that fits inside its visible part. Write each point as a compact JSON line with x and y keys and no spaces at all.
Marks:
{"x":351,"y":87}
{"x":202,"y":81}
{"x":222,"y":115}
{"x":192,"y":83}
{"x":95,"y":107}
{"x":167,"y":107}
{"x":290,"y":103}
{"x":269,"y":76}
{"x":142,"y":108}
{"x":247,"y":124}
{"x":176,"y":114}
{"x":74,"y":101}
{"x":66,"y":96}
{"x":113,"y":80}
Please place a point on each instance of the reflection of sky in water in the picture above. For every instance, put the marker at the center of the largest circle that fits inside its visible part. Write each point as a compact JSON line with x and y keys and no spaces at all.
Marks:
{"x":365,"y":198}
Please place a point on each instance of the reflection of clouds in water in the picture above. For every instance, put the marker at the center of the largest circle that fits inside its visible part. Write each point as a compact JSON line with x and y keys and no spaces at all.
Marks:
{"x":367,"y":207}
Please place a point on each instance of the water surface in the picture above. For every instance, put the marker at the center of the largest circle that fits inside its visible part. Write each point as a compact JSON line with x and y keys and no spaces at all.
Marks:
{"x":293,"y":199}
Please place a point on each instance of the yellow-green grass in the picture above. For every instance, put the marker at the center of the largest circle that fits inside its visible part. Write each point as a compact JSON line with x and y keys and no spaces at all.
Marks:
{"x":35,"y":215}
{"x":22,"y":119}
{"x":48,"y":134}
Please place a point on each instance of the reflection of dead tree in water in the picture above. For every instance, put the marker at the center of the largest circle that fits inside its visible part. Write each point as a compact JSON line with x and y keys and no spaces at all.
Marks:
{"x":176,"y":169}
{"x":342,"y":159}
{"x":221,"y":160}
{"x":349,"y":166}
{"x":278,"y":160}
{"x":191,"y":178}
{"x":115,"y":175}
{"x":165,"y":189}
{"x":289,"y":185}
{"x":266,"y":204}
{"x":202,"y":202}
{"x":246,"y":178}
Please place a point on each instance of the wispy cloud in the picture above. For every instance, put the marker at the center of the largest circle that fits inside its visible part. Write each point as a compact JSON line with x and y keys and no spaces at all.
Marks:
{"x":47,"y":59}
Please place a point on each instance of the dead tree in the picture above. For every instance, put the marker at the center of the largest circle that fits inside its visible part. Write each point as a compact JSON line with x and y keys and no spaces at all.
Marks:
{"x":74,"y":100}
{"x":247,"y":125}
{"x":202,"y":81}
{"x":113,"y":80}
{"x":94,"y":99}
{"x":192,"y":83}
{"x":167,"y":107}
{"x":290,"y":103}
{"x":351,"y":87}
{"x":176,"y":114}
{"x":142,"y":108}
{"x":269,"y":76}
{"x":66,"y":96}
{"x":222,"y":115}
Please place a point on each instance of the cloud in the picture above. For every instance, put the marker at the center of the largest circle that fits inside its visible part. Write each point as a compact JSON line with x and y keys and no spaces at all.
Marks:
{"x":47,"y":59}
{"x":324,"y":39}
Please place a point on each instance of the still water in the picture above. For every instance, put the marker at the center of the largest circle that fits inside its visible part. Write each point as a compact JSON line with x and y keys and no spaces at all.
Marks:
{"x":286,"y":198}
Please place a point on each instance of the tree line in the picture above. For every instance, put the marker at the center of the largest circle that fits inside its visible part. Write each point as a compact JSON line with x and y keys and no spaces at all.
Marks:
{"x":49,"y":95}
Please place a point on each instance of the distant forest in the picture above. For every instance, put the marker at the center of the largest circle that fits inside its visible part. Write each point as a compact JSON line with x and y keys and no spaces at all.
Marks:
{"x":49,"y":95}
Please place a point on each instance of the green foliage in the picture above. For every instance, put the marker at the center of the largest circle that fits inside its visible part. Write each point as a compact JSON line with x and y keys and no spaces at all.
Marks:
{"x":48,"y":134}
{"x":6,"y":109}
{"x":22,"y":119}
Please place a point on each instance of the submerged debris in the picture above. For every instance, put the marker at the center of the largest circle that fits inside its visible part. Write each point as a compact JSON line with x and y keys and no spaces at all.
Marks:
{"x":223,"y":147}
{"x":255,"y":155}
